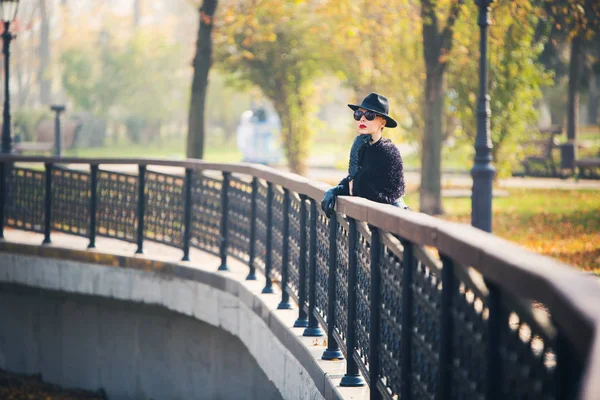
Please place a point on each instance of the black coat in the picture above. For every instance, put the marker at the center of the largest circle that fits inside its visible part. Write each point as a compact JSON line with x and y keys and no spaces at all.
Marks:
{"x":381,"y":174}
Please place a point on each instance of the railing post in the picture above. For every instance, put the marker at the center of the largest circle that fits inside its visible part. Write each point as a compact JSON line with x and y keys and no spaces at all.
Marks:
{"x":3,"y":194}
{"x":187,"y":213}
{"x":313,"y":328}
{"x":93,"y":204}
{"x":285,"y":251}
{"x":496,"y":320}
{"x":252,"y":251}
{"x":141,"y":208}
{"x":352,"y":377}
{"x":568,"y":371}
{"x":302,"y":321}
{"x":446,"y":328}
{"x":408,"y":266}
{"x":48,"y":204}
{"x":224,"y":221}
{"x":374,"y":328}
{"x":269,"y":245}
{"x":333,"y":349}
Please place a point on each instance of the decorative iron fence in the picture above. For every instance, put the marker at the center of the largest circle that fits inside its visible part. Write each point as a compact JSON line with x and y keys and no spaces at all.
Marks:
{"x":419,"y":307}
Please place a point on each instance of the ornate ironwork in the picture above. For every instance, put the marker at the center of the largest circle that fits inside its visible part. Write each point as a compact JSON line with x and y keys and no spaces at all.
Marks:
{"x":341,"y":283}
{"x":261,"y":226}
{"x":240,"y":204}
{"x":277,"y":231}
{"x":70,"y":201}
{"x":117,"y":205}
{"x":206,"y":213}
{"x":294,"y":243}
{"x":363,"y":295}
{"x":470,"y":314}
{"x":25,"y":199}
{"x":391,"y":318}
{"x":528,"y":355}
{"x":426,"y":316}
{"x":164,"y":208}
{"x":322,"y":266}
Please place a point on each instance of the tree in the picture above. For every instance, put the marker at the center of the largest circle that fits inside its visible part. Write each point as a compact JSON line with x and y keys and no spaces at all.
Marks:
{"x":579,"y":21}
{"x":375,"y":46}
{"x":515,"y":78}
{"x":437,"y":44}
{"x":44,"y":52}
{"x":202,"y":63}
{"x":270,"y":44}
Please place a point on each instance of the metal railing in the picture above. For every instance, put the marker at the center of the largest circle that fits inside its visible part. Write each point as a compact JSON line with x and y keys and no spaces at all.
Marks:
{"x":419,"y":307}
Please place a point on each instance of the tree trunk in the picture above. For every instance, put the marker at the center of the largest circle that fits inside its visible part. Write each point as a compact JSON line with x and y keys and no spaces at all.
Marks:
{"x":431,"y":147}
{"x":201,"y":64}
{"x":137,"y":13}
{"x":436,"y":48}
{"x":44,"y":54}
{"x":575,"y":65}
{"x":594,"y":98}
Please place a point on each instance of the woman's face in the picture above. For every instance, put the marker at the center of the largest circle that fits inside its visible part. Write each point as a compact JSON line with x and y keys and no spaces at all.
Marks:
{"x":365,"y":126}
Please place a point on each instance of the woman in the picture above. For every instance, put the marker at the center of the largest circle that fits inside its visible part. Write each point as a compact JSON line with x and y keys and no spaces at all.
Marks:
{"x":375,"y":170}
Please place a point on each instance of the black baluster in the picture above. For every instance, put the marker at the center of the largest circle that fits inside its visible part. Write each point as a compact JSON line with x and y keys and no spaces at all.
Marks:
{"x":141,"y":208}
{"x":449,"y":288}
{"x":285,"y":251}
{"x":496,"y":323}
{"x":3,"y":194}
{"x":313,"y":328}
{"x":93,"y":204}
{"x":568,"y":369}
{"x":187,"y":213}
{"x":333,"y":349}
{"x":302,"y":321}
{"x":409,"y":265}
{"x":252,"y":252}
{"x":48,"y":204}
{"x":352,"y":377}
{"x":224,"y":221}
{"x":374,"y":328}
{"x":269,"y":245}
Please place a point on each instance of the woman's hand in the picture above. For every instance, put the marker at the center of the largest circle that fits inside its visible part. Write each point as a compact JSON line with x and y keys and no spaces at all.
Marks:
{"x":350,"y":186}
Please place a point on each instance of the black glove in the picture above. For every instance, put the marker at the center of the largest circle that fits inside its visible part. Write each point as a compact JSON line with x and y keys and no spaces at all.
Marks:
{"x":358,"y":147}
{"x":328,"y":202}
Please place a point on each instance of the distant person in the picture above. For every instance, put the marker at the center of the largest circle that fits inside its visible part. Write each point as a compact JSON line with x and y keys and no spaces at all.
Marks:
{"x":244,"y":133}
{"x":375,"y":169}
{"x":264,"y":148}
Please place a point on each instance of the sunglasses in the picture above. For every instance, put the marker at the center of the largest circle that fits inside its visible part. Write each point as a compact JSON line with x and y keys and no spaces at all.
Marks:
{"x":369,"y":115}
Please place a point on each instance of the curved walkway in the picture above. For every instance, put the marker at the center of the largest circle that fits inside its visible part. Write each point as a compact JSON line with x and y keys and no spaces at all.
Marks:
{"x":326,"y":375}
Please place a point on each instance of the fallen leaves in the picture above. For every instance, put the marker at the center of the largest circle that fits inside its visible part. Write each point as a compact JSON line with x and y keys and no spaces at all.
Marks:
{"x":30,"y":387}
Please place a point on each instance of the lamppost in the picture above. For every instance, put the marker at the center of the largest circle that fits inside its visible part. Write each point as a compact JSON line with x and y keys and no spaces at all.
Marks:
{"x":58,"y":108}
{"x":8,"y":12}
{"x":483,"y":171}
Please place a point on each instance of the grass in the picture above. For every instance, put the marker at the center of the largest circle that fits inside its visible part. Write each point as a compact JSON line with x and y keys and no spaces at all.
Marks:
{"x":564,"y":224}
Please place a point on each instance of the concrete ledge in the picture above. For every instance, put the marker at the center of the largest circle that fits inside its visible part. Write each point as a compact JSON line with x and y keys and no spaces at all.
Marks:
{"x":222,"y":299}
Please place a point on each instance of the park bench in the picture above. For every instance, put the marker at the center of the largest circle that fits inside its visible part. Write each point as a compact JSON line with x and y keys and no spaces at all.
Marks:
{"x":588,"y":167}
{"x":33,"y":147}
{"x":544,"y":149}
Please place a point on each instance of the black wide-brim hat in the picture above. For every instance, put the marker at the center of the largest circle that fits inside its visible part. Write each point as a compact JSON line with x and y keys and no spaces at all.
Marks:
{"x":379,"y":104}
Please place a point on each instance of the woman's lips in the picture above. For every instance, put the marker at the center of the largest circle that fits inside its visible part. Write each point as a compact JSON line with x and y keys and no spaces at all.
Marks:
{"x":362,"y":126}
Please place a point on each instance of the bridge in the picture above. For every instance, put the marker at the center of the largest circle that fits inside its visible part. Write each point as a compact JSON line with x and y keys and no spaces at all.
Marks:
{"x":375,"y":302}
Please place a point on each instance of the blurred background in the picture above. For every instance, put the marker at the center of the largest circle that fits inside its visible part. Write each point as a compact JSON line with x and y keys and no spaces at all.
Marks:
{"x":124,"y":70}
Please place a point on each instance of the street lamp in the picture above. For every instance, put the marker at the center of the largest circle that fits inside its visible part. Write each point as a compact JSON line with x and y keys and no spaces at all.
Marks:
{"x":8,"y":12}
{"x":483,"y":172}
